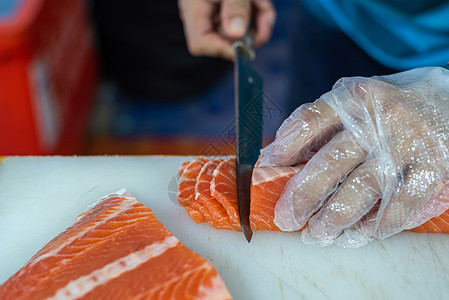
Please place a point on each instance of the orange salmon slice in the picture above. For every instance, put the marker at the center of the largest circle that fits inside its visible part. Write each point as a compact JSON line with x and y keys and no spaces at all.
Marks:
{"x":116,"y":250}
{"x":186,"y":189}
{"x":224,"y":189}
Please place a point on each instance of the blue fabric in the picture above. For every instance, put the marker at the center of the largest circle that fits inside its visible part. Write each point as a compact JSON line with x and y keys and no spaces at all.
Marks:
{"x":320,"y":54}
{"x":400,"y":34}
{"x":8,"y":8}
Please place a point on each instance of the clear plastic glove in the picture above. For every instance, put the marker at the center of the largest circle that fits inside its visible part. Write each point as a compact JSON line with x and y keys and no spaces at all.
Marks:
{"x":379,"y":163}
{"x":211,"y":25}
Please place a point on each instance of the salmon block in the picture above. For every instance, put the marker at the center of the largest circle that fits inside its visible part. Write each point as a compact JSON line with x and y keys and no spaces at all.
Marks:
{"x":266,"y":188}
{"x":116,"y":250}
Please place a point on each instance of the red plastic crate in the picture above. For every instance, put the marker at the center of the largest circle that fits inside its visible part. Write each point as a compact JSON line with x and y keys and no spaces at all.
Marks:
{"x":48,"y":77}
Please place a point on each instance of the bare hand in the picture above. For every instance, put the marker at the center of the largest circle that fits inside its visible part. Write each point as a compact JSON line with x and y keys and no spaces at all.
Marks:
{"x":210,"y":25}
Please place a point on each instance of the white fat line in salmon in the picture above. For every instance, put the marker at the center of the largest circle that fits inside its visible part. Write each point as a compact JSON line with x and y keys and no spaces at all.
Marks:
{"x":189,"y":169}
{"x":114,"y":212}
{"x":120,"y":193}
{"x":229,"y":177}
{"x":216,"y":291}
{"x":85,"y":284}
{"x":216,"y":172}
{"x":262,"y":175}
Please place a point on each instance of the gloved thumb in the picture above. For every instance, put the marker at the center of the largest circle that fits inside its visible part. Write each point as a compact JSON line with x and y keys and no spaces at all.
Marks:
{"x":235,"y":15}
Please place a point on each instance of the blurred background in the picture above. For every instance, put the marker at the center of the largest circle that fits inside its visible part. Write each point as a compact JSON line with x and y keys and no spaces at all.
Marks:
{"x":115,"y":77}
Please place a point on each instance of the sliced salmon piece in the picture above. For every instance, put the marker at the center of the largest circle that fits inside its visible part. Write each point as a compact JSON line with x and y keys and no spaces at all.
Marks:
{"x":266,"y":187}
{"x":183,"y":167}
{"x":224,"y":188}
{"x":207,"y":203}
{"x":117,"y":250}
{"x":186,"y":189}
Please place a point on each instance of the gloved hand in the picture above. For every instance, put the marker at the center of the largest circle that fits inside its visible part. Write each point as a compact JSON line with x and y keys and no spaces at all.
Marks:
{"x":210,"y":25}
{"x":379,"y":163}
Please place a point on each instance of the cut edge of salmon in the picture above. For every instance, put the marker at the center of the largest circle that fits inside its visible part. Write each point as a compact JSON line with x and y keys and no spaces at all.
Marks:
{"x":266,"y":188}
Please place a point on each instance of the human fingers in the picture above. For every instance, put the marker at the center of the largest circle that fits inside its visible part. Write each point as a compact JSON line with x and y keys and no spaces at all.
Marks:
{"x":308,"y":128}
{"x":265,"y":17}
{"x":355,"y":197}
{"x":202,"y":36}
{"x":306,"y":192}
{"x":235,"y":17}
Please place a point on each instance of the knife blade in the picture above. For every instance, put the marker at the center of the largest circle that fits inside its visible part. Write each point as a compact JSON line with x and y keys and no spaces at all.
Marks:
{"x":249,"y":118}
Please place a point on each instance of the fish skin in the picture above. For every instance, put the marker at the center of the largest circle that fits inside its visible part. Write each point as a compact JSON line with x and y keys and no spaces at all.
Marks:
{"x":117,"y":250}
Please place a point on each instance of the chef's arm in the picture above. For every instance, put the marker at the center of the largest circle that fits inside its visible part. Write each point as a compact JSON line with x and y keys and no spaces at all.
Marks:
{"x":211,"y":25}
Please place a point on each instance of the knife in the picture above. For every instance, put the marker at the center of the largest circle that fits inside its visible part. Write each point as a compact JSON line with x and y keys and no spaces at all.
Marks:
{"x":248,"y":125}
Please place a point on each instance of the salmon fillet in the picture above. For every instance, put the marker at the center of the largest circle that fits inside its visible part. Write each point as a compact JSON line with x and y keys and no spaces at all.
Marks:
{"x":266,"y":188}
{"x":116,"y":250}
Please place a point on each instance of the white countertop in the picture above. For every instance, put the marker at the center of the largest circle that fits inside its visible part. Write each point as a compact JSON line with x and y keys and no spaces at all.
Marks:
{"x":41,"y":196}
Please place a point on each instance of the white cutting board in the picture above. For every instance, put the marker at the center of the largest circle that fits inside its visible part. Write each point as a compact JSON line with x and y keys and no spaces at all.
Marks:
{"x":41,"y":196}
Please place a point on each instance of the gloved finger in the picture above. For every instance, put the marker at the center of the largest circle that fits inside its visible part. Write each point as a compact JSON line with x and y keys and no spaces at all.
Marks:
{"x":416,"y":183}
{"x":202,"y":36}
{"x":308,"y":128}
{"x":265,"y":19}
{"x":415,"y":168}
{"x":235,"y":17}
{"x":352,"y":237}
{"x":306,"y":192}
{"x":355,"y":197}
